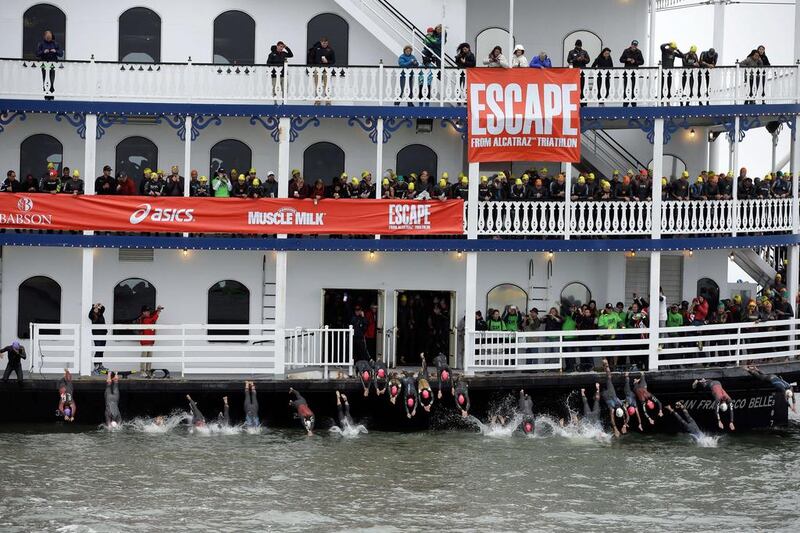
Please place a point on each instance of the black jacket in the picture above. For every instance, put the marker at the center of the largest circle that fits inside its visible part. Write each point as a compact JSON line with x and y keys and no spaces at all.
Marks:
{"x":279,"y":58}
{"x":578,"y":58}
{"x":465,"y":60}
{"x":101,"y":182}
{"x":11,"y":186}
{"x":14,"y":356}
{"x":174,"y":188}
{"x":316,"y":53}
{"x":668,"y":55}
{"x":635,"y":55}
{"x":603,"y":62}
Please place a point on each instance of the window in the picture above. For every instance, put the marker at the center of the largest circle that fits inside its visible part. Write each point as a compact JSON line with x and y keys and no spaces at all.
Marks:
{"x":38,"y":19}
{"x":229,"y":154}
{"x":324,"y":161}
{"x":135,"y":154}
{"x":506,"y":294}
{"x":488,"y":39}
{"x":140,"y":36}
{"x":36,"y":152}
{"x":575,"y":293}
{"x":228,"y":303}
{"x":416,"y":158}
{"x":590,"y":41}
{"x":234,"y":39}
{"x":336,"y":29}
{"x":39,"y":302}
{"x":673,"y":166}
{"x":130,"y":295}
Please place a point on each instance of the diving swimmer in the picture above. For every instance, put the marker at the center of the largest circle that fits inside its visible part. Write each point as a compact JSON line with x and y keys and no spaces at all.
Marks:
{"x":631,"y":403}
{"x":722,"y":401}
{"x":113,"y":416}
{"x":591,"y":415}
{"x":381,"y":375}
{"x":395,"y":387}
{"x":461,"y":396}
{"x":646,"y":398}
{"x":250,"y":405}
{"x":424,"y":388}
{"x":616,"y":411}
{"x":225,"y":416}
{"x":66,"y":402}
{"x":410,"y":395}
{"x":343,"y":410}
{"x":443,"y":374}
{"x":364,"y":371}
{"x":198,"y":420}
{"x":778,"y":383}
{"x":525,"y":406}
{"x":304,"y":412}
{"x":686,"y":422}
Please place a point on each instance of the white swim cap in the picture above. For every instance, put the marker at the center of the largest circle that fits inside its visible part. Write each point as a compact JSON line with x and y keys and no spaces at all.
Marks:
{"x":619,"y":412}
{"x":723,"y":407}
{"x":789,"y":394}
{"x":113,"y":424}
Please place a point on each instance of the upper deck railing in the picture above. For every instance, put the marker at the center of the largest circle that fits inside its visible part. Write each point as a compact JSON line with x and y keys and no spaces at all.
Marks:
{"x":376,"y":85}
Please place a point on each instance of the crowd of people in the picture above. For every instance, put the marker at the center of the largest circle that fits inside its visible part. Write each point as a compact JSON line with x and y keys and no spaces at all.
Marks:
{"x":774,"y":303}
{"x":532,"y":185}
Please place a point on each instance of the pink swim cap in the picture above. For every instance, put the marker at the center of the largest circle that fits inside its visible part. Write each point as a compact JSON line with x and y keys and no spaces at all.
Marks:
{"x":650,"y":404}
{"x":461,"y":399}
{"x":410,"y":402}
{"x":631,"y":410}
{"x":365,"y":375}
{"x":426,"y":394}
{"x":381,"y":373}
{"x":445,"y":375}
{"x":393,"y":390}
{"x":528,"y":427}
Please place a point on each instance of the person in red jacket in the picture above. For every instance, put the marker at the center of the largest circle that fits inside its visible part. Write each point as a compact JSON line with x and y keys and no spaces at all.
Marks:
{"x":125,"y":185}
{"x":700,"y":311}
{"x":148,"y":317}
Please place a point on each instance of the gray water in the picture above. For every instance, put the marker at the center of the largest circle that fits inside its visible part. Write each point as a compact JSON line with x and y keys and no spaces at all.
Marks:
{"x":67,"y":479}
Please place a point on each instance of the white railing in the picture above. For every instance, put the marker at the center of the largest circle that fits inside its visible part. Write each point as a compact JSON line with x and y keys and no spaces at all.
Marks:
{"x":720,"y":344}
{"x":182,"y":348}
{"x":633,"y":218}
{"x":381,"y":85}
{"x":54,"y":347}
{"x":320,"y":348}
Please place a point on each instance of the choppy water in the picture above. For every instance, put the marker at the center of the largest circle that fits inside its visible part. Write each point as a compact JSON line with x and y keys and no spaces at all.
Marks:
{"x":57,"y":478}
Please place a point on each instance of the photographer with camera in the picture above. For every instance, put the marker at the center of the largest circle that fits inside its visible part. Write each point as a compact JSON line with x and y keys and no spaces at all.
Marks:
{"x":148,"y":317}
{"x":16,"y":353}
{"x":96,"y":316}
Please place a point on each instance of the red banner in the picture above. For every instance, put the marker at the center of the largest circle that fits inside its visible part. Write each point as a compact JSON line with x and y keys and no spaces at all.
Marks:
{"x":231,"y":215}
{"x":524,"y":114}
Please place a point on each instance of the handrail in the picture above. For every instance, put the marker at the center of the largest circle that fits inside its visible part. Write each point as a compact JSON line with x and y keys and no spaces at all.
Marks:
{"x":417,"y":31}
{"x":635,"y":163}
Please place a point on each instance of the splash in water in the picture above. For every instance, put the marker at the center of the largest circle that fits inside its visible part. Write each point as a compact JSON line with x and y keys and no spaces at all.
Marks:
{"x":706,"y":441}
{"x":159,"y":424}
{"x":350,"y":431}
{"x":496,"y":430}
{"x":578,"y":430}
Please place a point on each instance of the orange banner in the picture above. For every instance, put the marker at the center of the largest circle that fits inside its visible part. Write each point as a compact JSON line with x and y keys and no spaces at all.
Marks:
{"x":231,"y":215}
{"x":524,"y":114}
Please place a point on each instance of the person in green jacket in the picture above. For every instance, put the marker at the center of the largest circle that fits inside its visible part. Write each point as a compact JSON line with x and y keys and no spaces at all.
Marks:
{"x":495,"y":323}
{"x":221,"y":185}
{"x":512,"y":319}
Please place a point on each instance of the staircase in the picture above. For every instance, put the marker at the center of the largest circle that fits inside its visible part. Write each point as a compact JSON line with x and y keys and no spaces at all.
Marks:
{"x":267,"y":295}
{"x":601,"y":154}
{"x":754,"y":264}
{"x":387,"y":24}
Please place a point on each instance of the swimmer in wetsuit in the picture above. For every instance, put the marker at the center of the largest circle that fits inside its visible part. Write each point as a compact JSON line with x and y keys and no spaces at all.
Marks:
{"x":722,"y":401}
{"x":113,"y":416}
{"x":778,"y":383}
{"x":631,"y":403}
{"x":424,"y":390}
{"x":66,"y":401}
{"x":591,"y":415}
{"x":343,"y":410}
{"x":461,"y":396}
{"x":616,"y":410}
{"x":395,"y":387}
{"x":303,"y":411}
{"x":525,"y":406}
{"x":444,"y":374}
{"x":410,"y":394}
{"x":225,"y":415}
{"x":250,"y":405}
{"x":686,"y":422}
{"x":198,"y":420}
{"x":646,"y":398}
{"x":364,"y":372}
{"x":381,"y":376}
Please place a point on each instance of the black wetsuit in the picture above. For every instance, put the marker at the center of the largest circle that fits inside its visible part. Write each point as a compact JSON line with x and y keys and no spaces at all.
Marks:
{"x":303,"y":410}
{"x":630,"y":397}
{"x":409,"y":391}
{"x":380,"y":374}
{"x":719,"y":395}
{"x":643,"y":395}
{"x":462,"y":391}
{"x":344,"y":414}
{"x":776,"y":381}
{"x":610,"y":395}
{"x":15,"y":357}
{"x":197,"y":416}
{"x":251,"y":408}
{"x":688,"y":425}
{"x":525,"y":406}
{"x":446,"y":382}
{"x":591,"y":415}
{"x":225,"y":416}
{"x":112,"y":403}
{"x":362,"y":366}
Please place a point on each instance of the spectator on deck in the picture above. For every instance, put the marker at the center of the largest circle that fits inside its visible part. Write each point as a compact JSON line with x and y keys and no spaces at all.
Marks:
{"x":50,"y":183}
{"x":148,"y":317}
{"x":496,"y":58}
{"x":279,"y":54}
{"x":270,"y":186}
{"x":105,"y":184}
{"x":11,"y":184}
{"x":407,"y":60}
{"x":631,"y":58}
{"x":603,"y":61}
{"x":16,"y":352}
{"x":49,"y":51}
{"x":495,"y":322}
{"x":153,"y":186}
{"x":465,"y":58}
{"x":298,"y":188}
{"x":254,"y":189}
{"x":29,"y":184}
{"x":762,"y":54}
{"x":240,"y":187}
{"x":125,"y":185}
{"x":578,"y":57}
{"x":480,"y":323}
{"x":541,"y":61}
{"x":203,"y":187}
{"x":322,"y":55}
{"x":359,"y":325}
{"x":512,"y":320}
{"x":75,"y":185}
{"x":97,"y":316}
{"x":174,"y":185}
{"x":518,"y":59}
{"x":221,"y":184}
{"x":318,"y":191}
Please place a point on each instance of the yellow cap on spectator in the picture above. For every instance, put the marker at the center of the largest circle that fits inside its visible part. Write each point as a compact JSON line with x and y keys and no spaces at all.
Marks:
{"x":365,"y":173}
{"x":412,"y":175}
{"x":605,"y":185}
{"x":591,"y":176}
{"x":693,"y":48}
{"x":663,"y":181}
{"x":50,"y":166}
{"x":354,"y":181}
{"x":295,"y":171}
{"x":543,"y":171}
{"x":411,"y":186}
{"x":442,"y":182}
{"x":685,"y":174}
{"x":445,"y":175}
{"x":525,"y":177}
{"x":501,"y":174}
{"x":484,"y":179}
{"x":673,"y":45}
{"x":343,"y":175}
{"x":518,"y":182}
{"x":581,"y":180}
{"x":203,"y":179}
{"x":385,"y":182}
{"x":730,"y":174}
{"x":76,"y":174}
{"x":699,"y":179}
{"x":464,"y":180}
{"x":147,"y":171}
{"x":242,"y":177}
{"x":737,"y":298}
{"x":768,"y":177}
{"x":256,"y":182}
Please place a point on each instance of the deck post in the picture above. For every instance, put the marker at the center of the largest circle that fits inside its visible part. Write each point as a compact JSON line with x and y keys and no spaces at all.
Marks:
{"x":793,"y":268}
{"x":655,"y":256}
{"x":378,"y":176}
{"x":471,"y":277}
{"x":567,"y":200}
{"x":187,"y":155}
{"x":83,"y":335}
{"x":735,"y":185}
{"x":281,"y":259}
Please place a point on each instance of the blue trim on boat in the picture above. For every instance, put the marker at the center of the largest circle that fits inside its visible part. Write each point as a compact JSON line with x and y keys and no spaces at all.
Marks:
{"x":393,"y":245}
